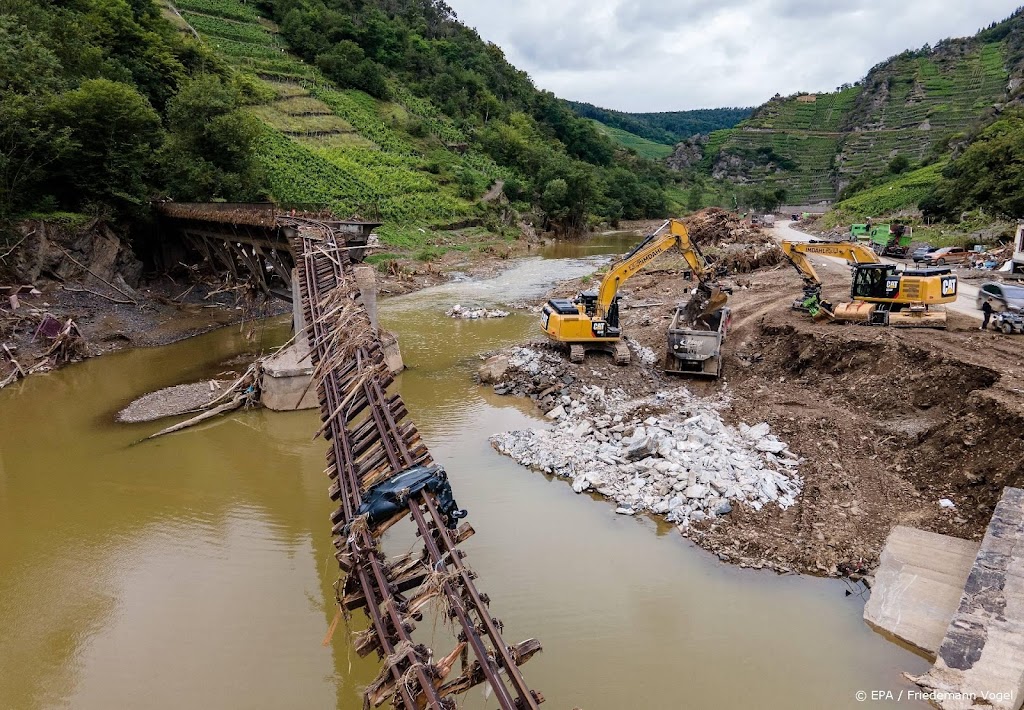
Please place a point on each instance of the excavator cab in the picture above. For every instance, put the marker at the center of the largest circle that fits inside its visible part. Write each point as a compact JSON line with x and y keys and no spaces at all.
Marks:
{"x":875,"y":281}
{"x":588,"y":299}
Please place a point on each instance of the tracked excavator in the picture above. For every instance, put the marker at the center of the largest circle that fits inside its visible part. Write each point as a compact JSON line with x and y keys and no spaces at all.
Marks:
{"x":881,"y":294}
{"x":591,"y":320}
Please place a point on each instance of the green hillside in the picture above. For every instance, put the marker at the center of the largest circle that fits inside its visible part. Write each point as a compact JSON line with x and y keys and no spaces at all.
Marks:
{"x":387,"y":109}
{"x":643,"y":147}
{"x":668,"y":127}
{"x":911,"y":105}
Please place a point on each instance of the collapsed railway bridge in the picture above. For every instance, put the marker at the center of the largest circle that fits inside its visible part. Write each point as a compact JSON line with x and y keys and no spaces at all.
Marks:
{"x":380,"y":471}
{"x":250,"y":241}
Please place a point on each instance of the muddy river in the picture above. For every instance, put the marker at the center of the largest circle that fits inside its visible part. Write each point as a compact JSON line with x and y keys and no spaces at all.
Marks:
{"x":197,"y":570}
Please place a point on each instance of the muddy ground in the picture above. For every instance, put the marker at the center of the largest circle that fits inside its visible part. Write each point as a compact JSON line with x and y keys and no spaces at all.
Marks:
{"x":164,"y":311}
{"x":890,"y":421}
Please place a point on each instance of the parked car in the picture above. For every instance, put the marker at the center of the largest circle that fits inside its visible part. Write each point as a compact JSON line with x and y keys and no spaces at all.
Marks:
{"x":1002,"y":297}
{"x":949,"y":255}
{"x":923,"y":253}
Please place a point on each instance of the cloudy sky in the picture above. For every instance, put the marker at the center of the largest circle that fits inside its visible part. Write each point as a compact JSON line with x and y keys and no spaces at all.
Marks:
{"x":666,"y":55}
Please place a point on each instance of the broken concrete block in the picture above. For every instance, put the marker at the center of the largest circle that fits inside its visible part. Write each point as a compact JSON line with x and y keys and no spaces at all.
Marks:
{"x":646,"y":447}
{"x":918,"y":584}
{"x":556,"y":413}
{"x":697,"y":490}
{"x":493,"y":369}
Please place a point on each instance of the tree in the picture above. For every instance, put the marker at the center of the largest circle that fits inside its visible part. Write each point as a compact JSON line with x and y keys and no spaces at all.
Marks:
{"x":694,"y":198}
{"x":29,"y":143}
{"x":899,"y":164}
{"x":764,"y":200}
{"x":209,"y":153}
{"x":115,"y":132}
{"x":346,"y":64}
{"x":987,"y":174}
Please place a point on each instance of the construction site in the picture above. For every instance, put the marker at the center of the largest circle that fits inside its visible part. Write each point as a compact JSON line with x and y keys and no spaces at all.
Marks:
{"x":914,"y":415}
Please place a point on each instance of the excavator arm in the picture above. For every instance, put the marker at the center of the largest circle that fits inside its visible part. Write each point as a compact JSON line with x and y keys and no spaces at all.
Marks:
{"x":644,"y":253}
{"x":797,"y":253}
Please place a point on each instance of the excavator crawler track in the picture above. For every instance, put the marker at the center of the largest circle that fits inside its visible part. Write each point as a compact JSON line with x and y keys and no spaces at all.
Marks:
{"x":622,"y":355}
{"x":577,"y":353}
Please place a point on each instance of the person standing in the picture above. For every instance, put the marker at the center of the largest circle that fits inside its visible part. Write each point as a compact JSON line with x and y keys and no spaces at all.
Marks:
{"x":986,"y":310}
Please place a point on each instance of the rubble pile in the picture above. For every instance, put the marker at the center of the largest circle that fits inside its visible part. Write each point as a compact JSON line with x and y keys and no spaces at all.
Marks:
{"x":684,"y":463}
{"x":716,"y":227}
{"x":543,"y":376}
{"x":732,"y":242}
{"x":457,"y":311}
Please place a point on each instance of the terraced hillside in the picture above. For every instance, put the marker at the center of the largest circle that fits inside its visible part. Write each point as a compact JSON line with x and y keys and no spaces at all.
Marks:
{"x":399,"y":161}
{"x":643,"y":147}
{"x":910,"y":105}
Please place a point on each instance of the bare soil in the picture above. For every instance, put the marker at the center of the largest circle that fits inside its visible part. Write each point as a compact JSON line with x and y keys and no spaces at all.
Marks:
{"x":890,"y":421}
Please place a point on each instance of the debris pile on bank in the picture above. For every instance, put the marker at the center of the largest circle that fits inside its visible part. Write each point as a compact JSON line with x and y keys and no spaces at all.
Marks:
{"x":734,"y":243}
{"x":457,"y":311}
{"x":669,"y":454}
{"x":714,"y":227}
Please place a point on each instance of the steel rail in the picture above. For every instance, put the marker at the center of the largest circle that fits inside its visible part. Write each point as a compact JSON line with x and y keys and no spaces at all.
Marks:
{"x":369,"y":443}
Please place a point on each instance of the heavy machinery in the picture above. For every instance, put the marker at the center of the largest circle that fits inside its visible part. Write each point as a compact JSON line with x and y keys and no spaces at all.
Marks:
{"x":695,"y":344}
{"x":591,"y":320}
{"x":891,"y":241}
{"x":882,"y":295}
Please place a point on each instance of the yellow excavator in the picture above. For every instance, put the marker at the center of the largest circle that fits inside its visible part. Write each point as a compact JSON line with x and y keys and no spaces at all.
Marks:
{"x":882,"y":294}
{"x":591,"y":320}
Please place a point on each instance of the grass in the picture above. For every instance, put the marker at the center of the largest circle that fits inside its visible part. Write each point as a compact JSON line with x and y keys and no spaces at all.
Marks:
{"x":643,"y":147}
{"x":900,"y":193}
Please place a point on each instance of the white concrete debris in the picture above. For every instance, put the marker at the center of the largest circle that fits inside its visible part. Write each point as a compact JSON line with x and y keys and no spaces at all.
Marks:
{"x":687,"y":465}
{"x":457,"y":311}
{"x":643,"y":353}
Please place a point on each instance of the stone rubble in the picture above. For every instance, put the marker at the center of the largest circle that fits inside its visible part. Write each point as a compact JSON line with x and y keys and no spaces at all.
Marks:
{"x":457,"y":311}
{"x":687,"y":464}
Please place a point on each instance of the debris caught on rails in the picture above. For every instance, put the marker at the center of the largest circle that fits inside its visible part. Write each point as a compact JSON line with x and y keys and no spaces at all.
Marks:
{"x":382,"y":474}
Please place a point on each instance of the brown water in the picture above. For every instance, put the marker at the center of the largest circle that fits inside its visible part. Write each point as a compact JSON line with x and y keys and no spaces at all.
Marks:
{"x":195,"y":571}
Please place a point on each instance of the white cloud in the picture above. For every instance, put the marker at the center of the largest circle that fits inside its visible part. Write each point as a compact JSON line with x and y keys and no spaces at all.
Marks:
{"x":668,"y":55}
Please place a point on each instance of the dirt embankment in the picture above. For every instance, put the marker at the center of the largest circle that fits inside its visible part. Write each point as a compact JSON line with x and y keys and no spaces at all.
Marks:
{"x":71,"y":292}
{"x":889,"y":421}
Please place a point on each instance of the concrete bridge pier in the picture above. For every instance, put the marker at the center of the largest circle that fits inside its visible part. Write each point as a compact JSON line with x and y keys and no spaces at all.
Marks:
{"x":286,"y":380}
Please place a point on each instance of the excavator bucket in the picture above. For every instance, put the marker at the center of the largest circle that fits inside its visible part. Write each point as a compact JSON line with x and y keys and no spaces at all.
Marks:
{"x":856,"y":311}
{"x":717,"y":299}
{"x":918,"y":319}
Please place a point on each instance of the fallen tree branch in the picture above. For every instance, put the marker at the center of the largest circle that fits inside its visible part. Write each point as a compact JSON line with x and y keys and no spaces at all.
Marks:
{"x":3,"y":257}
{"x":93,"y":273}
{"x":234,"y":404}
{"x":101,"y":295}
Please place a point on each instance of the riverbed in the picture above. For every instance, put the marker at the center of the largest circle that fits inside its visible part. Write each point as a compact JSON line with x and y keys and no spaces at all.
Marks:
{"x":197,"y":570}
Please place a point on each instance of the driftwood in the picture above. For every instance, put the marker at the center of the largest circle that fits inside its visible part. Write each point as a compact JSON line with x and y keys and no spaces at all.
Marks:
{"x":93,"y":273}
{"x":101,"y":295}
{"x":210,"y":414}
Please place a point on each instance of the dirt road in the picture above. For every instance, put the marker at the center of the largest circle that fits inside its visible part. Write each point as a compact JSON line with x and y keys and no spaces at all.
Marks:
{"x":965,"y":302}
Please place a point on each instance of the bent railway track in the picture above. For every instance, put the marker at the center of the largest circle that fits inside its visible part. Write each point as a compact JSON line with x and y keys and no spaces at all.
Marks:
{"x":382,"y":473}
